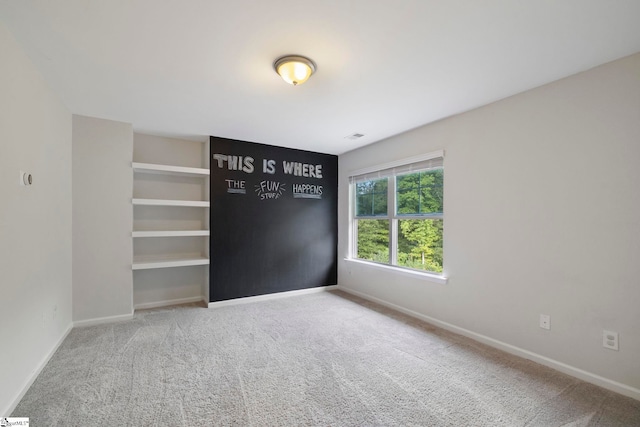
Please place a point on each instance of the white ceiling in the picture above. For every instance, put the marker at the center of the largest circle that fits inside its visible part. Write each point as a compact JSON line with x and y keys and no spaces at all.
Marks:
{"x":193,"y":68}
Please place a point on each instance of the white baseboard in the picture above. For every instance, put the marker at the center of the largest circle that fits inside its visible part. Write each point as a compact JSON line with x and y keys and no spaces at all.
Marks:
{"x":266,"y":297}
{"x":543,"y":360}
{"x":34,"y":374}
{"x":166,"y":303}
{"x":101,"y":320}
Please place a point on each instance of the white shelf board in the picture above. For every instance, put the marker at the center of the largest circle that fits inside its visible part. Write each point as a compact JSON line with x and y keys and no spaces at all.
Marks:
{"x":180,"y":233}
{"x":159,"y":202}
{"x":169,"y":170}
{"x":150,"y":262}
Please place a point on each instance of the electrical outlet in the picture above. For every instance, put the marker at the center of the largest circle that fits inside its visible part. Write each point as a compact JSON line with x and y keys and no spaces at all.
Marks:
{"x":545,"y":321}
{"x":610,"y":340}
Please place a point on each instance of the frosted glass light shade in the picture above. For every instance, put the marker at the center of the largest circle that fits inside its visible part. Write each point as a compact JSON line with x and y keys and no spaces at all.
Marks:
{"x":294,"y":69}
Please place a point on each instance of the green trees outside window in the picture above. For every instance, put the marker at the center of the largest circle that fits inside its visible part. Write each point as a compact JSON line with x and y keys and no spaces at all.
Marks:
{"x":373,"y":234}
{"x":420,"y":244}
{"x":373,"y":240}
{"x":420,"y":193}
{"x":371,"y":197}
{"x":417,"y":214}
{"x":420,"y":239}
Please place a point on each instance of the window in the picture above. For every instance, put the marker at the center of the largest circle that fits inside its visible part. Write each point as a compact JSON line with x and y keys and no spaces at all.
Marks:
{"x":398,"y":216}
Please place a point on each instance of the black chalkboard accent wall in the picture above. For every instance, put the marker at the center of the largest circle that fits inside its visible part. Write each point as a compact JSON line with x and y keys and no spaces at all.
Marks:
{"x":274,"y":224}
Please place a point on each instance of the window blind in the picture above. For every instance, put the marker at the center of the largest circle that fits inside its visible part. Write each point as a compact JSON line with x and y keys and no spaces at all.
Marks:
{"x":423,"y":165}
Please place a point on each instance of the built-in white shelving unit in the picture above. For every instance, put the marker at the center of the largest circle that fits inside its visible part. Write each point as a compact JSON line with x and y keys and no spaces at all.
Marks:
{"x":169,"y":170}
{"x":183,"y":233}
{"x":150,"y":262}
{"x":171,"y":220}
{"x":160,"y":202}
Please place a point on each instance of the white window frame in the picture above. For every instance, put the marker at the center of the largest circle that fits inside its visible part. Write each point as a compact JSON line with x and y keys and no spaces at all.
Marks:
{"x":392,"y":216}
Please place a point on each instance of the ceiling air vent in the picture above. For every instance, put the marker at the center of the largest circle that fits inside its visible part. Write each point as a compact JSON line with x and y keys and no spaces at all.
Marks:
{"x":354,"y":136}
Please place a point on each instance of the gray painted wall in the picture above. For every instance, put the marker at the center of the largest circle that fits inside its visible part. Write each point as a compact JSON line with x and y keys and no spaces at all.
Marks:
{"x":35,"y":222}
{"x":102,"y":218}
{"x":542,"y":215}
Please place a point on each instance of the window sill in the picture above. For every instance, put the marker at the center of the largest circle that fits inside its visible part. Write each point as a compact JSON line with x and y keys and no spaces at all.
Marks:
{"x":430,"y":277}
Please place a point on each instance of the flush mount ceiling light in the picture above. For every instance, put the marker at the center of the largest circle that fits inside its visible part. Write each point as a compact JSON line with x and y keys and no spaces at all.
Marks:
{"x":294,"y":69}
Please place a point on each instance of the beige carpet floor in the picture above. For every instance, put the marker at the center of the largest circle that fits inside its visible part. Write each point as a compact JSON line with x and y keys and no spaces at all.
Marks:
{"x":325,"y":359}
